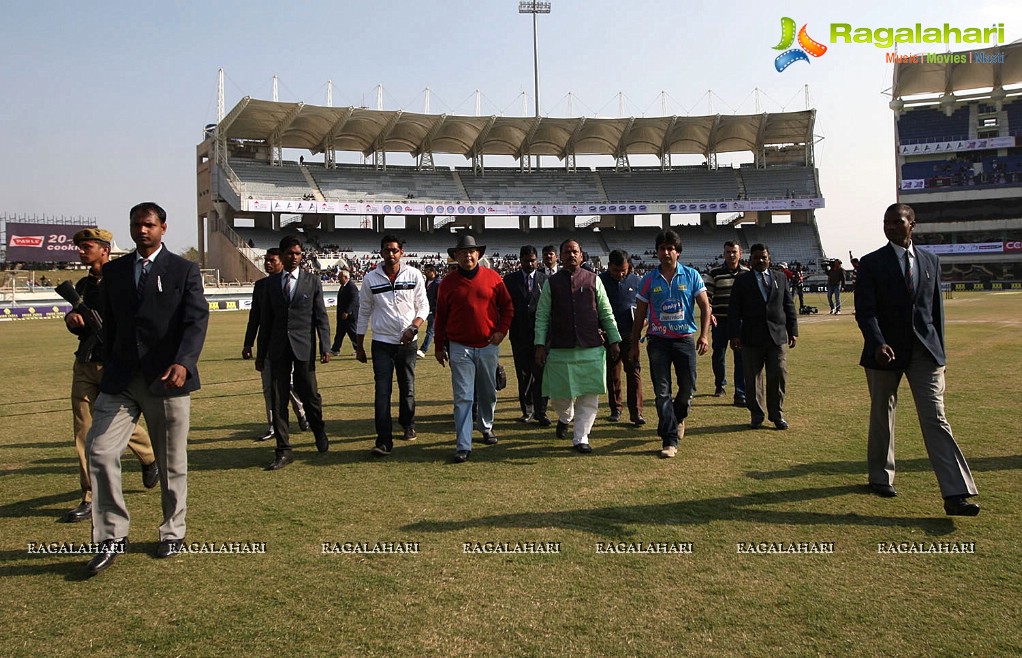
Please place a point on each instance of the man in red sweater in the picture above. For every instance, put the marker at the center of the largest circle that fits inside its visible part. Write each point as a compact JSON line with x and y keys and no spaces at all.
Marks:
{"x":473,"y":314}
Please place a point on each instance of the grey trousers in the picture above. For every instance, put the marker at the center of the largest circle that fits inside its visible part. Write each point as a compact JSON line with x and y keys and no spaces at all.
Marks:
{"x":113,"y":420}
{"x":926,"y":381}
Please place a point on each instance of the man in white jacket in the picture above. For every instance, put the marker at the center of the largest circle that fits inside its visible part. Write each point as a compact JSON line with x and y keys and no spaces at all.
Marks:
{"x":393,"y":299}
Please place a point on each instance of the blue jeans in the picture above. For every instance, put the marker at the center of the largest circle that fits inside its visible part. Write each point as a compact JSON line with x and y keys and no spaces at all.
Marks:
{"x":473,"y":378}
{"x":834,"y":297}
{"x":388,"y":358}
{"x":719,"y":360}
{"x":428,"y":340}
{"x":665,"y":354}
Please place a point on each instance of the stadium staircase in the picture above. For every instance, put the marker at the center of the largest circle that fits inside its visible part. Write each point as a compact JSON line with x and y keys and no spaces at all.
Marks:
{"x":312,"y":183}
{"x":461,"y":185}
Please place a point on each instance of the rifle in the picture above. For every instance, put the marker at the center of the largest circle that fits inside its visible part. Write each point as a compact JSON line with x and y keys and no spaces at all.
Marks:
{"x":71,"y":296}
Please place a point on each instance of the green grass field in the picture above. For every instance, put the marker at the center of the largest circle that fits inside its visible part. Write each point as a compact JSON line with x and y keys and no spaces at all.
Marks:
{"x":728,"y":485}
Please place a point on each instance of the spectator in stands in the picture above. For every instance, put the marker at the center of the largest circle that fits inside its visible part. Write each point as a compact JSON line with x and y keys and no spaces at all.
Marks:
{"x":835,"y":282}
{"x":347,"y":310}
{"x":432,"y":286}
{"x":393,"y":300}
{"x":86,"y":323}
{"x":473,"y":315}
{"x":272,"y":265}
{"x":763,"y":324}
{"x":900,"y":312}
{"x":549,"y":260}
{"x":667,"y":299}
{"x":573,"y":309}
{"x":718,"y":291}
{"x":524,"y":286}
{"x":621,"y":286}
{"x":290,"y":322}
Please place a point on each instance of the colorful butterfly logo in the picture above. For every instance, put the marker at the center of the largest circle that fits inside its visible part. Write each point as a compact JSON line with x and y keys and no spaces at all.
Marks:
{"x":789,"y":57}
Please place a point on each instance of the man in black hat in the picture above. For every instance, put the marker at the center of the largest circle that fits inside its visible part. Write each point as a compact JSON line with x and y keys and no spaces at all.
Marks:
{"x":473,"y":315}
{"x":94,"y":252}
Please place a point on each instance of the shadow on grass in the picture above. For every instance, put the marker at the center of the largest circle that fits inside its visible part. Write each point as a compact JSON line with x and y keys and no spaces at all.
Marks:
{"x":1004,"y":463}
{"x":618,"y":521}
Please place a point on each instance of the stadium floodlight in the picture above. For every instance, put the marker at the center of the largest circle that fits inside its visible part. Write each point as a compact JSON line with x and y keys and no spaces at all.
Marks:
{"x":535,"y":7}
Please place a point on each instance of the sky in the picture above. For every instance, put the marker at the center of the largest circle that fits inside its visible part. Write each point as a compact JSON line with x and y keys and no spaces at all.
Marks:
{"x":105,"y":102}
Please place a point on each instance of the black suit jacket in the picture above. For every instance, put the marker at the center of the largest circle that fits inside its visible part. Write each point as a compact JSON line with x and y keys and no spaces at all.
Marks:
{"x":347,"y":301}
{"x":523,"y":323}
{"x":759,"y":322}
{"x":295,"y":324}
{"x":259,"y":291}
{"x":167,"y":326}
{"x":887,"y":313}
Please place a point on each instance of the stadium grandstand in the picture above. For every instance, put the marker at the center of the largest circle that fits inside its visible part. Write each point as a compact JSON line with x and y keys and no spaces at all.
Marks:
{"x":250,"y":194}
{"x":958,"y":132}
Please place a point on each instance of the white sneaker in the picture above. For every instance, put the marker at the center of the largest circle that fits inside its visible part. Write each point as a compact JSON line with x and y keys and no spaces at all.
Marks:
{"x":668,"y":452}
{"x":419,"y":354}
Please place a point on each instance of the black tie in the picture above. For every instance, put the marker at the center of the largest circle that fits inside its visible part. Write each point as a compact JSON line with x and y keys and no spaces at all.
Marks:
{"x":288,"y":280}
{"x":908,"y":274}
{"x":142,"y":276}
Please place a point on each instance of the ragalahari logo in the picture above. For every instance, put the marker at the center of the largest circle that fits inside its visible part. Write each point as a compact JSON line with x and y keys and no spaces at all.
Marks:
{"x":789,"y":57}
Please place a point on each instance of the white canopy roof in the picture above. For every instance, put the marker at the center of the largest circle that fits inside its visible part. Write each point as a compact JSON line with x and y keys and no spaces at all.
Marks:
{"x":316,"y":128}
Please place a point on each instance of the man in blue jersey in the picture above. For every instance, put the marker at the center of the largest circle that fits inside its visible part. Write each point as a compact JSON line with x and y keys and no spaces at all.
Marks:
{"x":667,"y":298}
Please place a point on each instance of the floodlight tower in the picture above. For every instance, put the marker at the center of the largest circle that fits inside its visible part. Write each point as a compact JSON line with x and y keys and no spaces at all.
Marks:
{"x":535,"y":7}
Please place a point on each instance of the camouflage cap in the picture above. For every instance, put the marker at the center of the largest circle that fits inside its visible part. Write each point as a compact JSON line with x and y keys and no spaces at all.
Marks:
{"x":94,"y":234}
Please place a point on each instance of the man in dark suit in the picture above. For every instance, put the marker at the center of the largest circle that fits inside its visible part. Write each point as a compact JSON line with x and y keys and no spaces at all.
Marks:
{"x":763,"y":324}
{"x":293,"y":316}
{"x":622,"y":285}
{"x":901,"y":316}
{"x":154,"y":325}
{"x":271,"y":265}
{"x":347,"y":311}
{"x":524,"y":286}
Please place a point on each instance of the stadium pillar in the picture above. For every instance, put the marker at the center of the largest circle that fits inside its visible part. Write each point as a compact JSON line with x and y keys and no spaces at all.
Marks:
{"x":707,"y":220}
{"x":801,"y":216}
{"x":523,"y":223}
{"x":477,"y":225}
{"x":764,"y":218}
{"x":564,"y":222}
{"x":665,"y":220}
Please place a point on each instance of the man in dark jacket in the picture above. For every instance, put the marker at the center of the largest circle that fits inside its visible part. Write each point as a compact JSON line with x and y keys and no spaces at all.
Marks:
{"x":347,"y":310}
{"x":901,"y":316}
{"x":524,"y":285}
{"x":154,"y":325}
{"x":763,"y":324}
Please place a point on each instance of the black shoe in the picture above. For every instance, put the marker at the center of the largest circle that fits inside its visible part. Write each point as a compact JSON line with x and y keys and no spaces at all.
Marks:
{"x":740,"y":402}
{"x":615,"y":417}
{"x":281,"y":461}
{"x":461,"y":456}
{"x":562,"y":430}
{"x":781,"y":424}
{"x":638,"y":421}
{"x":150,"y":475}
{"x":267,"y":436}
{"x":380,"y":450}
{"x":489,"y":438}
{"x":583,"y":448}
{"x":719,"y":392}
{"x":410,"y":434}
{"x":109,"y":549}
{"x":756,"y":424}
{"x":960,"y":506}
{"x":80,"y":513}
{"x":169,"y":548}
{"x":303,"y":423}
{"x":322,"y":443}
{"x":884,"y":490}
{"x":544,"y":421}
